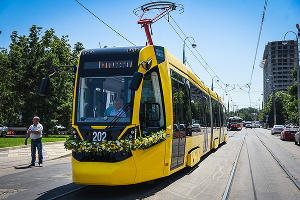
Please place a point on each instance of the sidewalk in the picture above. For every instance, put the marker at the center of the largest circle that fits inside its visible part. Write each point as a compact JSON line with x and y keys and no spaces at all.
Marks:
{"x":17,"y":156}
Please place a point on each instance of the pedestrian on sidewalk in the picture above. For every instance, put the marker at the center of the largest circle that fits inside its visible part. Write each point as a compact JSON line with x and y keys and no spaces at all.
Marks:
{"x":35,"y":132}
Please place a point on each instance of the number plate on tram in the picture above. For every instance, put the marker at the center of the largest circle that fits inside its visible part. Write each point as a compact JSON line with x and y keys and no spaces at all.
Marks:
{"x":98,"y":136}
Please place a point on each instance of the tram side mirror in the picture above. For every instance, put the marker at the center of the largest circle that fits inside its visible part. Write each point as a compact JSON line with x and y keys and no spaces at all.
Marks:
{"x":44,"y":87}
{"x":136,"y":81}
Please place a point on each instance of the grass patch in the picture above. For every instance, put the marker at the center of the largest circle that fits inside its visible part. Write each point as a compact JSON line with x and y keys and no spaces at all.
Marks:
{"x":58,"y":136}
{"x":10,"y":141}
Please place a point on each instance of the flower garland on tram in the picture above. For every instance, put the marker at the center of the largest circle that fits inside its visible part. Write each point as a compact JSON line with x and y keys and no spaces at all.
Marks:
{"x":143,"y":143}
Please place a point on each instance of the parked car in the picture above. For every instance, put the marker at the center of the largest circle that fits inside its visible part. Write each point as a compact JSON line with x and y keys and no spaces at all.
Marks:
{"x":288,"y":133}
{"x":196,"y":127}
{"x":248,"y":125}
{"x":3,"y":130}
{"x":256,"y":125}
{"x":297,"y":138}
{"x":277,"y":129}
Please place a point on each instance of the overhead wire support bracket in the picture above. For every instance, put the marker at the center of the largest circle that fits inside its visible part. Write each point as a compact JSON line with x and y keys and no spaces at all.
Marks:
{"x":164,"y":6}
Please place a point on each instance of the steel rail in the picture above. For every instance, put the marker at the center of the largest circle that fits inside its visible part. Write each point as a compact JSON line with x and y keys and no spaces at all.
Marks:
{"x":229,"y":183}
{"x":69,"y":192}
{"x":251,"y":173}
{"x":232,"y":134}
{"x":297,"y":184}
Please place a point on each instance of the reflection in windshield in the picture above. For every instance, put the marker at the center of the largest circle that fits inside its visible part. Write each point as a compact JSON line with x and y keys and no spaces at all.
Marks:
{"x":103,"y":99}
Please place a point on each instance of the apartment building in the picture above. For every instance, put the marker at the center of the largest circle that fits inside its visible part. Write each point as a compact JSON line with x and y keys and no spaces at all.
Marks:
{"x":280,"y":57}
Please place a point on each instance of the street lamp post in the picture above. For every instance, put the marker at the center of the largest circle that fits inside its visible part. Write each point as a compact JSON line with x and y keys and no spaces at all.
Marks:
{"x":193,"y":45}
{"x":298,"y":66}
{"x":212,"y":83}
{"x":273,"y":98}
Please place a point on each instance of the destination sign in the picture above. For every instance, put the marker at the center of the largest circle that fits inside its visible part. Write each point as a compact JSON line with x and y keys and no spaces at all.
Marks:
{"x":108,"y":64}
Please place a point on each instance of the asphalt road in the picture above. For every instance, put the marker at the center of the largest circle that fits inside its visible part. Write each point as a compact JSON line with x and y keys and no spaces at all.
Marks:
{"x":258,"y":175}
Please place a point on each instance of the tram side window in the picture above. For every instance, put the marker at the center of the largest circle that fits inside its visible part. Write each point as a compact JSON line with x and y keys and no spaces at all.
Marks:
{"x":198,"y":106}
{"x":182,"y":116}
{"x":216,"y":116}
{"x":225,"y":116}
{"x":221,"y":115}
{"x":151,"y":108}
{"x":208,"y":113}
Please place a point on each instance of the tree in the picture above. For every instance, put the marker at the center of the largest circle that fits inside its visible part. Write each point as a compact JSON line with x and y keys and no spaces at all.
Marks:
{"x":28,"y":60}
{"x":247,"y":114}
{"x":281,"y":100}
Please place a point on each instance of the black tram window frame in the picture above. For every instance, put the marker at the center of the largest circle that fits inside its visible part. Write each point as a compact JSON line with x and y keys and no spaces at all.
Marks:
{"x":204,"y":97}
{"x":122,"y":124}
{"x":186,"y":82}
{"x":156,"y":69}
{"x":88,"y":74}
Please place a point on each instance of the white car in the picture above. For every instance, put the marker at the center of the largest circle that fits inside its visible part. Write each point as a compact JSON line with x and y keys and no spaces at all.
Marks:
{"x":196,"y":127}
{"x":3,"y":130}
{"x":277,"y":129}
{"x":248,"y":125}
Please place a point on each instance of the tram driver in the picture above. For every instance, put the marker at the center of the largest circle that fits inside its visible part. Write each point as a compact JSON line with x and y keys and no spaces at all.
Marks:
{"x":116,"y":109}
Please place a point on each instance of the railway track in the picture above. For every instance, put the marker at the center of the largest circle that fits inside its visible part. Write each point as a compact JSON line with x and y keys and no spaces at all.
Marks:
{"x":233,"y":170}
{"x":234,"y":132}
{"x":68,"y":192}
{"x":291,"y":177}
{"x":244,"y":144}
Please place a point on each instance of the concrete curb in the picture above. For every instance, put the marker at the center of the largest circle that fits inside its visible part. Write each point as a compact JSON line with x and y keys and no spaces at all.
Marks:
{"x":24,"y":146}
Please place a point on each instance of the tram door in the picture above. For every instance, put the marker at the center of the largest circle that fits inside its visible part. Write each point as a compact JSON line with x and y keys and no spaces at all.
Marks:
{"x":208,"y":122}
{"x":181,"y":118}
{"x":220,"y":122}
{"x":212,"y":122}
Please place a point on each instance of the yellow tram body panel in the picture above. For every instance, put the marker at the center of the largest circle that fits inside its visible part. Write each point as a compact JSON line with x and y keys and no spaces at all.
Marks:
{"x":154,"y":162}
{"x":104,"y":173}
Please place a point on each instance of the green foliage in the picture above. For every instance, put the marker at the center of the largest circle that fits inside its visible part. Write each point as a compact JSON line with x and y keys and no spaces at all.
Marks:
{"x":13,"y":141}
{"x":22,"y":68}
{"x":286,"y":108}
{"x":247,"y":114}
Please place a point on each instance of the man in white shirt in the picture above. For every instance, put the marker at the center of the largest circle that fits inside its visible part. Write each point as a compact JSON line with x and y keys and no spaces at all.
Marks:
{"x":35,"y":132}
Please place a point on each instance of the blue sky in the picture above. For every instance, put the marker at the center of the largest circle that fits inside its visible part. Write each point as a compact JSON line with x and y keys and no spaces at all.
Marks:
{"x":225,"y":32}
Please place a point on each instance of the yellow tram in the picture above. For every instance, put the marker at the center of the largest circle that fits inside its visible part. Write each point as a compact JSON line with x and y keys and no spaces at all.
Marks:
{"x":135,"y":91}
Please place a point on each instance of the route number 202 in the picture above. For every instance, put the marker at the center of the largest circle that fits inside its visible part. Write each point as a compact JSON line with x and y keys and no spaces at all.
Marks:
{"x":99,"y":136}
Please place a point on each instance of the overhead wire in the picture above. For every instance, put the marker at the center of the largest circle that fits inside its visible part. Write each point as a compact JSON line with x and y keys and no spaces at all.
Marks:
{"x":256,"y":50}
{"x":118,"y":33}
{"x":206,"y":66}
{"x":215,"y":74}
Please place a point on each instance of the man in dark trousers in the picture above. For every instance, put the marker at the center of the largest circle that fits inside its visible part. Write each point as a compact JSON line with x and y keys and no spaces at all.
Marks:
{"x":35,"y":132}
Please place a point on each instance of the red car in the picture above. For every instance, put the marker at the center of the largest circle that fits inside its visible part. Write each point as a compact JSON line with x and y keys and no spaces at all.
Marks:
{"x":288,"y":134}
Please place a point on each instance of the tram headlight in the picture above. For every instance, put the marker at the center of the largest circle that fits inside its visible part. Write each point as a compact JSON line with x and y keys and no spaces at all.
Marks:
{"x":131,"y":133}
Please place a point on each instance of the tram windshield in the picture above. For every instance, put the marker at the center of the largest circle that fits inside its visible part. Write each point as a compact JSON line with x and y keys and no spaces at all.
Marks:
{"x":103,"y":99}
{"x":235,"y":120}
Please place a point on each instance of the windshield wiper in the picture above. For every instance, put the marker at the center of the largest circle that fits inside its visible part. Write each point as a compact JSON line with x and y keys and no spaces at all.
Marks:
{"x":118,"y":116}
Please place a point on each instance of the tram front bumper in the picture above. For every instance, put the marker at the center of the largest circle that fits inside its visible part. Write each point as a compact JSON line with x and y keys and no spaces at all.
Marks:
{"x":104,"y":173}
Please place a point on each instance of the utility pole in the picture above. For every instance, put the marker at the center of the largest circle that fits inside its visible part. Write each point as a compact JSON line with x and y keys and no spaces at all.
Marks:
{"x":228,"y":108}
{"x":258,"y":113}
{"x":274,"y":103}
{"x":298,"y":72}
